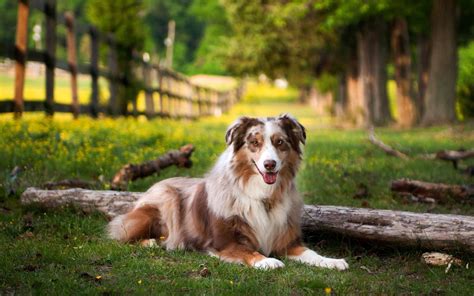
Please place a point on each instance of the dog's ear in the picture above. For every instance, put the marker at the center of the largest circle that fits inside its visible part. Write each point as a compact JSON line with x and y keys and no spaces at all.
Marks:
{"x":295,"y":130}
{"x":237,"y":130}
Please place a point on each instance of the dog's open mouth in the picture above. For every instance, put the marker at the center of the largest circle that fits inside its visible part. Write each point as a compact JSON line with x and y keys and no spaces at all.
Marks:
{"x":268,"y":177}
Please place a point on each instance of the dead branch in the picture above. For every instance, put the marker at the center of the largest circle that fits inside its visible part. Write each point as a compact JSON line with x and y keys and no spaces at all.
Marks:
{"x":437,"y":191}
{"x":130,"y":172}
{"x":389,"y":150}
{"x":447,"y":155}
{"x":430,"y":231}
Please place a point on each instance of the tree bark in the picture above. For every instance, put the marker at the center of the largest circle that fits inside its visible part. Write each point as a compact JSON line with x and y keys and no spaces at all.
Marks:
{"x":372,"y":57}
{"x":432,"y":231}
{"x":423,"y":52}
{"x":407,"y":108}
{"x":354,"y":107}
{"x":441,"y":90}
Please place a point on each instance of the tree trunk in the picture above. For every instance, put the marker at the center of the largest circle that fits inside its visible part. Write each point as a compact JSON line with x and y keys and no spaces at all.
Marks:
{"x":372,"y":57}
{"x":354,"y":107}
{"x":407,"y":112}
{"x":441,"y":91}
{"x":431,"y":231}
{"x":423,"y":52}
{"x":303,"y":95}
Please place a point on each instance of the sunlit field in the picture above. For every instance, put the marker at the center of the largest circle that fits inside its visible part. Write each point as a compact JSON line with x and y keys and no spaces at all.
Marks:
{"x":65,"y":251}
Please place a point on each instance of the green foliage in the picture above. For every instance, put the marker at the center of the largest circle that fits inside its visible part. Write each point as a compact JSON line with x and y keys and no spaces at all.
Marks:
{"x":120,"y":17}
{"x":123,"y":18}
{"x":210,"y":55}
{"x":8,"y":20}
{"x":188,"y":30}
{"x":465,"y":83}
{"x":278,"y":39}
{"x":326,"y":83}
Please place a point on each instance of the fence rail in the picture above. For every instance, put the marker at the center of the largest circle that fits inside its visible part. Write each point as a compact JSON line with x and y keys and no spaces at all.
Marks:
{"x":178,"y":97}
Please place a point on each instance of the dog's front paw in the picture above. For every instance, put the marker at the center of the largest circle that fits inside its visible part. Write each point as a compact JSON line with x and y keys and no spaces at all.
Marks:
{"x":268,"y":263}
{"x":339,"y":264}
{"x":310,"y":257}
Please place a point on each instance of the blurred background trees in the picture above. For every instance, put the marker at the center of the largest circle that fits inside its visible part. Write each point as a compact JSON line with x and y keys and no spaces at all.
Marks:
{"x":409,"y":62}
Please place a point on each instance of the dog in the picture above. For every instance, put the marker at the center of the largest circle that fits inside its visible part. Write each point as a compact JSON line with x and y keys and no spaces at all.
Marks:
{"x":244,"y":210}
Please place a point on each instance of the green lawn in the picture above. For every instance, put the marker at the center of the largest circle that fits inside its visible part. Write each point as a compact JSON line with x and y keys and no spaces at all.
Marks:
{"x":65,"y":251}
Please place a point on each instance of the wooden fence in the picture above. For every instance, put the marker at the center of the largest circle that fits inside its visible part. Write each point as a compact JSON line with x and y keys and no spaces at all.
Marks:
{"x":167,"y":93}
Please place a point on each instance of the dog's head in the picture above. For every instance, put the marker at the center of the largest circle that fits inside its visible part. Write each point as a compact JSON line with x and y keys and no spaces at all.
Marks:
{"x":270,"y":146}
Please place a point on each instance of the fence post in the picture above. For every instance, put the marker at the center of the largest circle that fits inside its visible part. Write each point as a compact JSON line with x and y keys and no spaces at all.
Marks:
{"x":50,"y":58}
{"x":72,"y":61}
{"x":149,"y":104}
{"x":94,"y":71}
{"x":113,"y":76}
{"x":190,"y":95}
{"x":160,"y":89}
{"x":20,"y":55}
{"x":197,"y":91}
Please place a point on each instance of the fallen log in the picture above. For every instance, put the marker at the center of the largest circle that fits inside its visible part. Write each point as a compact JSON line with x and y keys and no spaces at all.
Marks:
{"x":430,"y":231}
{"x":437,"y":191}
{"x":68,"y":183}
{"x":130,"y":172}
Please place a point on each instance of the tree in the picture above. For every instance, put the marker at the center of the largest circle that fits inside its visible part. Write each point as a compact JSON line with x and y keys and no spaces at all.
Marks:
{"x":123,"y":19}
{"x":367,"y":74}
{"x":280,"y":39}
{"x":441,"y":91}
{"x":209,"y":56}
{"x":8,"y":20}
{"x":408,"y":111}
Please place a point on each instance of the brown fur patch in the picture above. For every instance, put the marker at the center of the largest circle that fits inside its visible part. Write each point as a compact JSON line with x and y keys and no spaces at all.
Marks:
{"x":243,"y":166}
{"x":276,"y":138}
{"x":255,"y":142}
{"x":232,"y":230}
{"x":290,"y":239}
{"x":295,"y":131}
{"x":201,"y":217}
{"x":239,"y":132}
{"x":239,"y":253}
{"x":142,"y":223}
{"x":296,"y":250}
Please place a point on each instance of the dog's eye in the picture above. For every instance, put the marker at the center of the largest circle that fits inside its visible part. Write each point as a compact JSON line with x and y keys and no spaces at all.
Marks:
{"x":254,"y":143}
{"x":279,"y":142}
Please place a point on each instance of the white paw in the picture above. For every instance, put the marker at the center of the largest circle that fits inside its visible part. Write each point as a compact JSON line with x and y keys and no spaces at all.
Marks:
{"x":339,"y":264}
{"x":151,"y":243}
{"x":310,"y":257}
{"x":268,"y":263}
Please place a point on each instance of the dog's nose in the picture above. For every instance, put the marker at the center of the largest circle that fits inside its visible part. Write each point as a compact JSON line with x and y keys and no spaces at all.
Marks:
{"x":269,"y":164}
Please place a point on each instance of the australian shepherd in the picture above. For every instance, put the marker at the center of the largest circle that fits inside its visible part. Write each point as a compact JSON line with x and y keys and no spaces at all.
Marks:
{"x":244,"y":210}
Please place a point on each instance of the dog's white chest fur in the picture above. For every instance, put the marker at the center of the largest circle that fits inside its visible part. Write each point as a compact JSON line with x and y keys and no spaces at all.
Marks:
{"x":250,"y":205}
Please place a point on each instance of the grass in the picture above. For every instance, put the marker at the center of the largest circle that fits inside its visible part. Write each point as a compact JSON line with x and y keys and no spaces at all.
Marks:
{"x":64,"y":251}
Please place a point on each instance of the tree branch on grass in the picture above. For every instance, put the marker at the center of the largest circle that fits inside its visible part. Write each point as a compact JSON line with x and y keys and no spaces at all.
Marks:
{"x":430,"y":231}
{"x":437,"y":191}
{"x":130,"y":172}
{"x":448,"y":155}
{"x":389,"y":150}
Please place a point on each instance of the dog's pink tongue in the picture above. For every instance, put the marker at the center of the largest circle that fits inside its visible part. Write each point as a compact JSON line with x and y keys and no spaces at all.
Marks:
{"x":269,"y":178}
